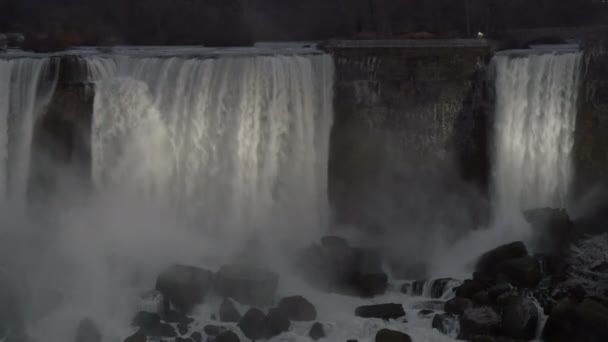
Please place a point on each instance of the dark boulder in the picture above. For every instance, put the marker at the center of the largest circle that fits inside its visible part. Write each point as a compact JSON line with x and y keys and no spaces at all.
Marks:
{"x":482,"y":298}
{"x":479,"y":321}
{"x":161,"y":330}
{"x":228,"y":312}
{"x":458,"y":305}
{"x":184,"y":286}
{"x":499,"y":289}
{"x":227,"y":336}
{"x":425,"y":313}
{"x":137,"y":337}
{"x":88,"y":331}
{"x":584,"y":322}
{"x":276,"y":323}
{"x":469,"y":288}
{"x":182,"y":328}
{"x":213,"y":330}
{"x":317,"y":331}
{"x":520,"y":319}
{"x":246,"y":284}
{"x":382,"y":311}
{"x":146,"y":320}
{"x":298,"y":308}
{"x":523,"y":272}
{"x":253,"y":324}
{"x":172,"y":316}
{"x":196,"y":336}
{"x":445,"y":323}
{"x":488,"y":262}
{"x":386,"y":335}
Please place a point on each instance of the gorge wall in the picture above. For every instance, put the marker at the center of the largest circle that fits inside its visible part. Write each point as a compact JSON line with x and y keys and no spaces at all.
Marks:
{"x":410,"y":132}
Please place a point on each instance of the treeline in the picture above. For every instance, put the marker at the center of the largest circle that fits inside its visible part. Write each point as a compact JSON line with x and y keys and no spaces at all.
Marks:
{"x":241,"y":22}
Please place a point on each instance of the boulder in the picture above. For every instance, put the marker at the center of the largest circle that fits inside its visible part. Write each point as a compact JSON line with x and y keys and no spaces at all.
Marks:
{"x":469,"y":288}
{"x":458,"y":305}
{"x":445,"y":323}
{"x":227,"y":336}
{"x":247,"y":284}
{"x":196,"y":336}
{"x":585,"y":322}
{"x":213,"y":330}
{"x":184,"y":286}
{"x":382,"y":311}
{"x":387,"y":335}
{"x":276,"y":323}
{"x":479,"y":321}
{"x":520,"y":319}
{"x":161,"y":330}
{"x":228,"y":312}
{"x":253,"y":324}
{"x":488,"y":261}
{"x":146,"y":320}
{"x":501,"y":288}
{"x":182,"y":328}
{"x":137,"y":337}
{"x":317,"y":331}
{"x":523,"y":272}
{"x":172,"y":316}
{"x":298,"y":308}
{"x":88,"y":331}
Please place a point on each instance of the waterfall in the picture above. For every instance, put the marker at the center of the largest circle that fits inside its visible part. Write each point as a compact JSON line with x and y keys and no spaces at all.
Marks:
{"x":26,"y":86}
{"x":536,"y":103}
{"x":239,"y":144}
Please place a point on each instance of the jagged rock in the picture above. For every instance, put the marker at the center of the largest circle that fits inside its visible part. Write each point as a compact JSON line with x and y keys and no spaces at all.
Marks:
{"x":479,"y":321}
{"x":253,"y":324}
{"x":196,"y":336}
{"x":298,"y":308}
{"x":488,"y":262}
{"x":349,"y":271}
{"x":501,"y":288}
{"x":172,"y":316}
{"x":184,"y":286}
{"x":276,"y":323}
{"x":228,"y":312}
{"x":386,"y":335}
{"x":569,"y":321}
{"x":137,"y":337}
{"x":469,"y":288}
{"x":524,"y":272}
{"x":520,"y":319}
{"x":213,"y":330}
{"x":382,"y":311}
{"x":482,"y":298}
{"x":146,"y":320}
{"x":246,"y":284}
{"x":227,"y":336}
{"x":458,"y":305}
{"x":445,"y":323}
{"x":317,"y":331}
{"x":182,"y":328}
{"x":425,"y":312}
{"x":88,"y":331}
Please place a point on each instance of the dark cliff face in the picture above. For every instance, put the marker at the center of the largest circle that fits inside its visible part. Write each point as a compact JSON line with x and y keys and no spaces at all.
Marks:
{"x":410,"y":137}
{"x":591,"y":140}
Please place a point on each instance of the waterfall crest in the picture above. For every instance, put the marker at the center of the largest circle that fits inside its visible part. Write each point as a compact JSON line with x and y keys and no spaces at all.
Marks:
{"x":26,"y":86}
{"x":536,"y":103}
{"x":236,"y":143}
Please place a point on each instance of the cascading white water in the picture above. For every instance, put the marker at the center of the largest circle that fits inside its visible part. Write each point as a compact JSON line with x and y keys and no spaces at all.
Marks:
{"x":26,"y":86}
{"x":237,"y":143}
{"x":536,"y":102}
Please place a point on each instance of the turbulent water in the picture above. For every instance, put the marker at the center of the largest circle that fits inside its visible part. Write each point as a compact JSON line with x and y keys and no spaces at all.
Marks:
{"x":26,"y":85}
{"x":235,"y":142}
{"x":536,"y":103}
